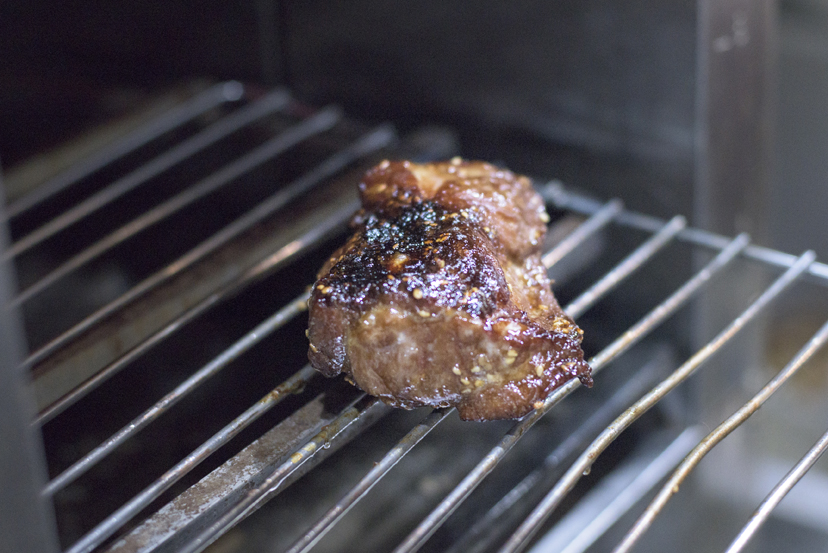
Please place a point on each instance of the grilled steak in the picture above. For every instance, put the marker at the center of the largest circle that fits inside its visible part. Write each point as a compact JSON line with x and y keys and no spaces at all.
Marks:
{"x":439,"y":297}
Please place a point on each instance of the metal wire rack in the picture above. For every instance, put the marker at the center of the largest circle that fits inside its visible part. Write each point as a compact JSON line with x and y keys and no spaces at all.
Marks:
{"x":183,"y":509}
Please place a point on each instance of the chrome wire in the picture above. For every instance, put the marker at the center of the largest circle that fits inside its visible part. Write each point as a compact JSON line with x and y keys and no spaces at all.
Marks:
{"x":239,"y":119}
{"x":778,"y":493}
{"x":577,"y":439}
{"x":635,"y":260}
{"x":375,"y":140}
{"x":555,"y":193}
{"x":369,"y":143}
{"x":257,"y":272}
{"x":600,"y":217}
{"x":598,"y":220}
{"x":646,"y":479}
{"x":253,"y":337}
{"x":210,"y":98}
{"x":360,"y":415}
{"x":531,"y":525}
{"x":320,"y":122}
{"x":655,"y":317}
{"x":318,"y":531}
{"x":671,"y":487}
{"x":110,"y":525}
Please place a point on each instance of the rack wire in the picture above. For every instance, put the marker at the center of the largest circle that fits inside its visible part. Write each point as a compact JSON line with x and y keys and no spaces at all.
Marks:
{"x":312,"y":432}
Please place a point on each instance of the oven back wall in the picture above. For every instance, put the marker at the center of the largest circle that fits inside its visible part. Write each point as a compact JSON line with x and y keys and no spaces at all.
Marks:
{"x":584,"y":89}
{"x":597,"y":93}
{"x":71,"y":66}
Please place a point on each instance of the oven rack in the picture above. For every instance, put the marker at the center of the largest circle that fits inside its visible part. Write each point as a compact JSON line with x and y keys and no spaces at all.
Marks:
{"x":312,"y":432}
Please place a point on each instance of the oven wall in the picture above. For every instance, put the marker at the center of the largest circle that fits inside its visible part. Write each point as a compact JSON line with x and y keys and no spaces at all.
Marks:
{"x":605,"y":96}
{"x":69,"y":67}
{"x":597,"y":93}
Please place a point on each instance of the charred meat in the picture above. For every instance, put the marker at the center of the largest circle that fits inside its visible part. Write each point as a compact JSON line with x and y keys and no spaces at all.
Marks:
{"x":439,"y":297}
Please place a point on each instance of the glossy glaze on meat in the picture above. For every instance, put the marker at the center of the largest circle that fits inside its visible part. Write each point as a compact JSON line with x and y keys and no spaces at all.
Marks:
{"x":439,"y":297}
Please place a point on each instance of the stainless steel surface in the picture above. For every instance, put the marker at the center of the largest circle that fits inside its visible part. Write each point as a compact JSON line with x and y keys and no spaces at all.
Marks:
{"x":734,"y":83}
{"x":27,"y":520}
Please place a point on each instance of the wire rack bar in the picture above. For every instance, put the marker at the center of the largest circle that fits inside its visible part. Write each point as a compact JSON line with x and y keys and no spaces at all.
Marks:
{"x":318,"y":531}
{"x":555,"y":193}
{"x":300,"y":132}
{"x":634,"y":261}
{"x":721,"y":432}
{"x":650,"y":321}
{"x":499,"y":518}
{"x":530,"y":526}
{"x":350,"y":422}
{"x":111,"y":524}
{"x":382,"y":468}
{"x":646,"y":479}
{"x":253,"y":337}
{"x":356,"y":416}
{"x":259,"y":271}
{"x":214,"y":96}
{"x":646,"y":251}
{"x":270,"y":103}
{"x":174,"y":524}
{"x":598,"y":220}
{"x":375,"y":140}
{"x":778,"y":493}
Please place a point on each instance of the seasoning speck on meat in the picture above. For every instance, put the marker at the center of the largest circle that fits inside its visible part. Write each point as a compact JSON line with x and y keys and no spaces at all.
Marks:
{"x":439,"y":297}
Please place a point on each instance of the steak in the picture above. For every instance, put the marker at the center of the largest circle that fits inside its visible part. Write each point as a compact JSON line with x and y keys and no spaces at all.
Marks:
{"x":439,"y":298}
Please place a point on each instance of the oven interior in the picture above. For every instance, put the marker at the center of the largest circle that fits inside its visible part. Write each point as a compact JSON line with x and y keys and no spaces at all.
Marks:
{"x":174,"y":178}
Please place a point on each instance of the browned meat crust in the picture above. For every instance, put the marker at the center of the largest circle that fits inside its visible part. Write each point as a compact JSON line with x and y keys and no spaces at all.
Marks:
{"x":439,"y":297}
